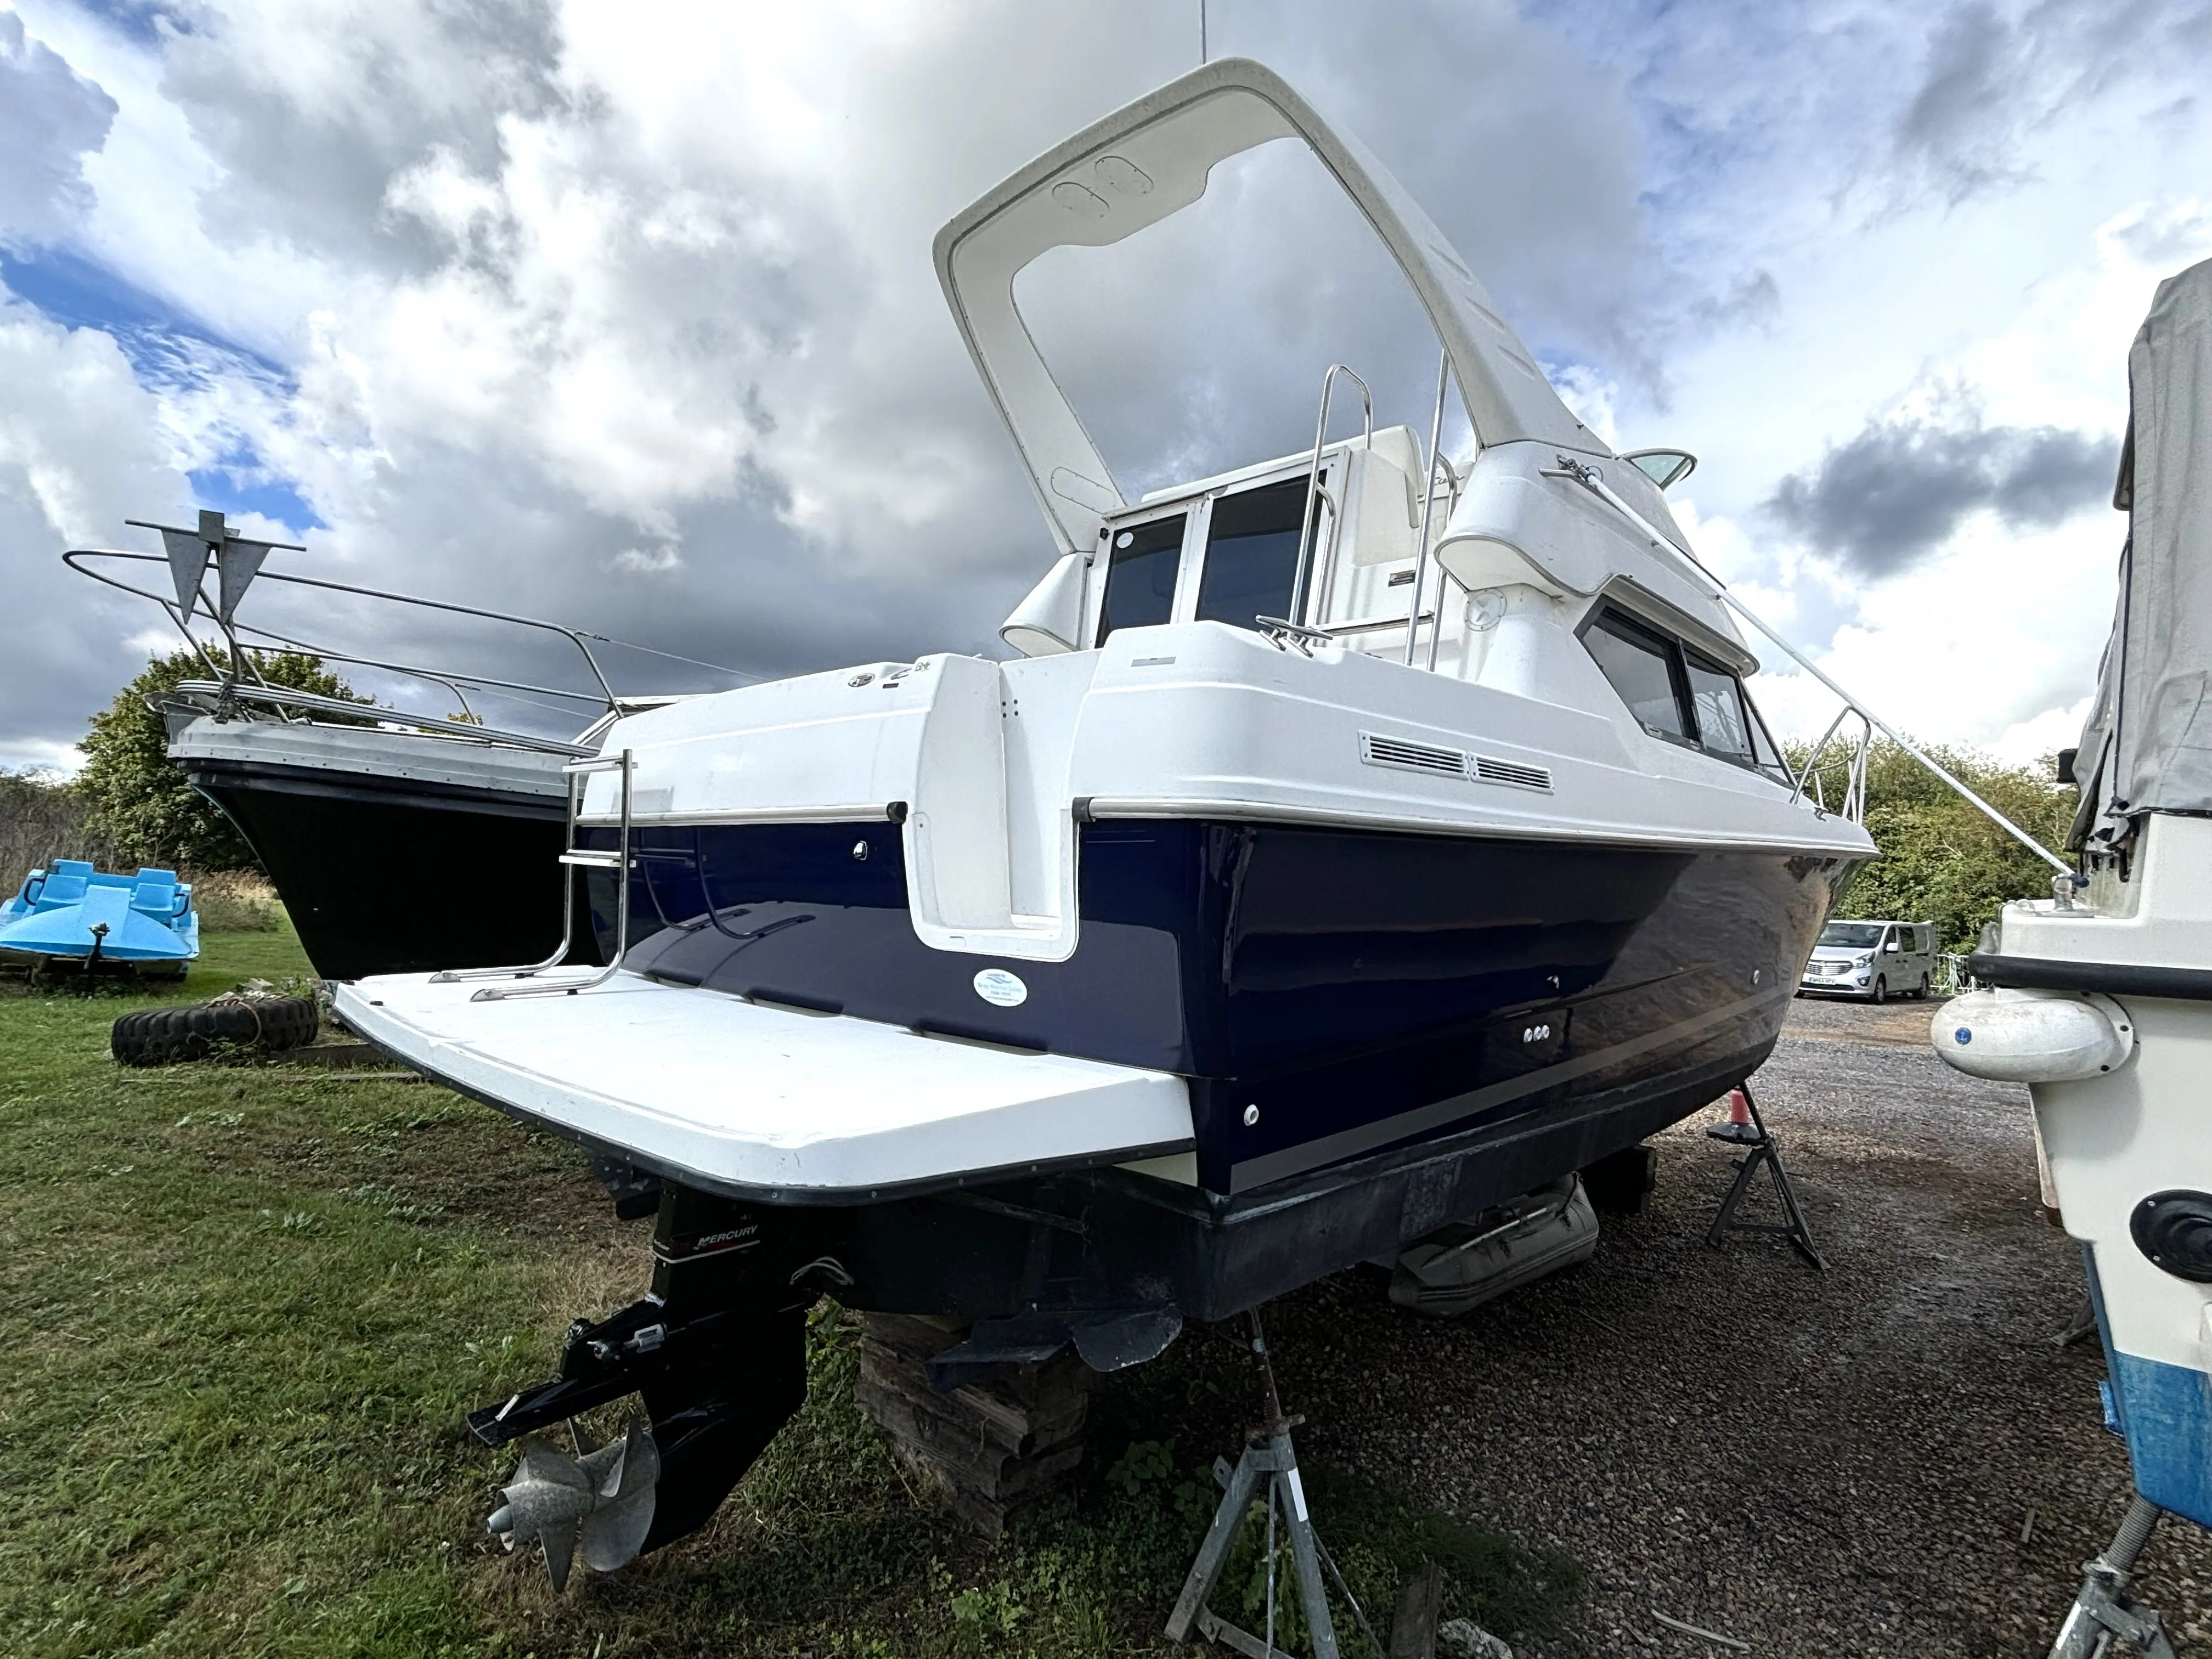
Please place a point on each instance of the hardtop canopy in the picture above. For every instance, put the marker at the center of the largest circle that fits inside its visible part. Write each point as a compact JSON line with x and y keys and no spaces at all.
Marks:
{"x":1151,"y":158}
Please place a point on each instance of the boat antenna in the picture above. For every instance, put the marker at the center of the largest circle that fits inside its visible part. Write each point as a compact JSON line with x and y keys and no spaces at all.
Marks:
{"x":1201,"y":34}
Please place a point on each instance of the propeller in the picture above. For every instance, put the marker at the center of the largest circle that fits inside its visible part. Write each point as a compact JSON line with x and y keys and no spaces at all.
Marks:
{"x":598,"y":1503}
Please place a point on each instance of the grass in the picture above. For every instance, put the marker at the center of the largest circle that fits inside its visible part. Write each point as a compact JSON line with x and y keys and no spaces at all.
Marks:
{"x":244,"y":1309}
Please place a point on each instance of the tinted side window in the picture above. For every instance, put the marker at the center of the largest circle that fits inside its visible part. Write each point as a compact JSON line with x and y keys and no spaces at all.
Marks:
{"x":1640,"y":664}
{"x":1252,"y":555}
{"x":1140,"y":576}
{"x":1762,"y":744}
{"x":1717,"y":698}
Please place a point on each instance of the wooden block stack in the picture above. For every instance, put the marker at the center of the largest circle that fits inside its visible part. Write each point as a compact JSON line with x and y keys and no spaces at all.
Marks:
{"x":987,"y":1448}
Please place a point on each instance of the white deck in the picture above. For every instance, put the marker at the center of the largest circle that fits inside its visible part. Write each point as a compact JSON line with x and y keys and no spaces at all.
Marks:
{"x":743,"y":1095}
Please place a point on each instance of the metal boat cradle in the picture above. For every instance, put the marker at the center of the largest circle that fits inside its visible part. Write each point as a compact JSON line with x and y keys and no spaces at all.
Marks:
{"x":1307,"y":883}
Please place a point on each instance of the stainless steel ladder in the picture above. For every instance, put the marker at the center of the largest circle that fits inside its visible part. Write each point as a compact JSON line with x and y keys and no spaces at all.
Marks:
{"x":572,"y":857}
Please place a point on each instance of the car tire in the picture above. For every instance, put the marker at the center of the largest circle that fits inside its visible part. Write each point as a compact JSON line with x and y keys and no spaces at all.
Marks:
{"x":1880,"y":994}
{"x":1920,"y":995}
{"x":162,"y":1037}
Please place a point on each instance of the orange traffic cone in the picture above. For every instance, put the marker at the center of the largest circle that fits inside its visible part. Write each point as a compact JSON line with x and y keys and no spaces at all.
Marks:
{"x":1739,"y":1128}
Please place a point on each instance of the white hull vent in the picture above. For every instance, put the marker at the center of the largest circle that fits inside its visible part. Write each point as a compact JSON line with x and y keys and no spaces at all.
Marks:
{"x":1411,"y":757}
{"x":1407,"y":756}
{"x":1521,"y":776}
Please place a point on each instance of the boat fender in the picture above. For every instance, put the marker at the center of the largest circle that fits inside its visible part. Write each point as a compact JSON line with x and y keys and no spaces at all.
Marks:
{"x":2033,"y":1036}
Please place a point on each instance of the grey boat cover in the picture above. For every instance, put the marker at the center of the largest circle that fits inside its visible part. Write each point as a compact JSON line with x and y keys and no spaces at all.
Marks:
{"x":2147,"y":745}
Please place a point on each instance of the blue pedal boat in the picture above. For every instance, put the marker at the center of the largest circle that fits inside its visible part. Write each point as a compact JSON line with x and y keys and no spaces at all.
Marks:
{"x":74,"y":911}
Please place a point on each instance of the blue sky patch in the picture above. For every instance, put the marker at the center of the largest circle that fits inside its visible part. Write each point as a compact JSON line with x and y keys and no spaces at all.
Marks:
{"x":80,"y":293}
{"x":252,"y":489}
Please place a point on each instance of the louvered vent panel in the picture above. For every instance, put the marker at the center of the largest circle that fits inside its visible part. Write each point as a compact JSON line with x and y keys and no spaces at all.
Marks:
{"x":1411,"y":757}
{"x":1491,"y":770}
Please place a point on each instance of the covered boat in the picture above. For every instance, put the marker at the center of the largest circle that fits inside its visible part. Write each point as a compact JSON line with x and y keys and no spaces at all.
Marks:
{"x":76,"y":912}
{"x":1358,"y":843}
{"x":2102,"y":1002}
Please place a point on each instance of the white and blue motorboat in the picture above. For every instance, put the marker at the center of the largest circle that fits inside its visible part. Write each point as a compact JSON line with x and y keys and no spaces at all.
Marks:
{"x":2102,"y":993}
{"x":1359,"y":840}
{"x":73,"y":912}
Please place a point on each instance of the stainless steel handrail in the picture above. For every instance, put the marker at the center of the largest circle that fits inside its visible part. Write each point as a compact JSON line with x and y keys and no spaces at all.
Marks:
{"x":369,"y":715}
{"x":1453,"y":483}
{"x":619,"y":861}
{"x":571,"y":635}
{"x":452,"y":681}
{"x":1306,"y":551}
{"x":1854,"y":771}
{"x":243,"y":664}
{"x":1428,"y":509}
{"x":1591,"y":479}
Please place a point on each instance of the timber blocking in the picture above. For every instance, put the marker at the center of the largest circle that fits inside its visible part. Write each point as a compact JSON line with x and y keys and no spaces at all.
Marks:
{"x":987,"y":1448}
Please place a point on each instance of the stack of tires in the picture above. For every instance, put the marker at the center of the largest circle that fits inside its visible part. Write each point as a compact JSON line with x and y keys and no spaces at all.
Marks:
{"x":227,"y":1025}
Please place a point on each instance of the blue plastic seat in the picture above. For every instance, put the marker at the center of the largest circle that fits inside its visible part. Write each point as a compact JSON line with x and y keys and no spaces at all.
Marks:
{"x":154,"y":894}
{"x":66,"y":884}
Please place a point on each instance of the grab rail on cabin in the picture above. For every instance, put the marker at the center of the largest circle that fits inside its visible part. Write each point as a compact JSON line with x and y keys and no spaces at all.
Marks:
{"x":1428,"y":513}
{"x":1307,"y":551}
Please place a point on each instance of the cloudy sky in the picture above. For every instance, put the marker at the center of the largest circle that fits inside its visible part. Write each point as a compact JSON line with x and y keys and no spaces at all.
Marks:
{"x":625,"y":316}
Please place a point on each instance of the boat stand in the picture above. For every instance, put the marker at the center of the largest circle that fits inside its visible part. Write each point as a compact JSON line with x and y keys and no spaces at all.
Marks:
{"x":1267,"y":1457}
{"x":1764,"y":1154}
{"x":2105,"y":1611}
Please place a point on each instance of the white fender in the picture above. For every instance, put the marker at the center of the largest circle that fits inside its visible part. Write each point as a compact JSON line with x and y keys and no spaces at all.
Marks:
{"x":2033,"y":1036}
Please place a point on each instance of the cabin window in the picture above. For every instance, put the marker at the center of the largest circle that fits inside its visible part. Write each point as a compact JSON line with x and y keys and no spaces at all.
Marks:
{"x":1675,"y":693}
{"x":1768,"y":757}
{"x":1717,"y":698}
{"x":1140,"y":576}
{"x":1644,"y":668}
{"x":1252,"y":555}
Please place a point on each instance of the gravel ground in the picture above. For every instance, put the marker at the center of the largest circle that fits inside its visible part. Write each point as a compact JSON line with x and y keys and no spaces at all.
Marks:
{"x":1811,"y":1463}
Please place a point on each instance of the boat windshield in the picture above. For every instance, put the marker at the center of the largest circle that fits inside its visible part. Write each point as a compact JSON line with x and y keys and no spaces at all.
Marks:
{"x":1251,"y":554}
{"x":1852,"y":935}
{"x":1140,"y":576}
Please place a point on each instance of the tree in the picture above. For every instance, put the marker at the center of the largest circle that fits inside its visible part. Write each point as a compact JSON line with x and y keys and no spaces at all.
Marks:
{"x":1942,"y":861}
{"x":43,"y":818}
{"x":138,"y":802}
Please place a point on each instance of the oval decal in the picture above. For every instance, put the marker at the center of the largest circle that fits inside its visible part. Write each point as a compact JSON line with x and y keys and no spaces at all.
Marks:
{"x":997,"y":986}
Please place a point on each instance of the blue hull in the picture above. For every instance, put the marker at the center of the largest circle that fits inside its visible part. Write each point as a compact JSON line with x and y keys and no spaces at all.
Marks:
{"x":1362,"y":991}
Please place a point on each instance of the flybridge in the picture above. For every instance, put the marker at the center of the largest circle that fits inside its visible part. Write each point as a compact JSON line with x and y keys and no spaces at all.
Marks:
{"x":1151,"y":159}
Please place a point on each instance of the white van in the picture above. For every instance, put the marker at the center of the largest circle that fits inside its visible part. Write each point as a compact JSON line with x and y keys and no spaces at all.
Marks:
{"x":1876,"y":960}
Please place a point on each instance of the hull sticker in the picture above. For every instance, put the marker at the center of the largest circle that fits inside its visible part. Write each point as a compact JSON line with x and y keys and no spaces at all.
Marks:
{"x":1000,"y":988}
